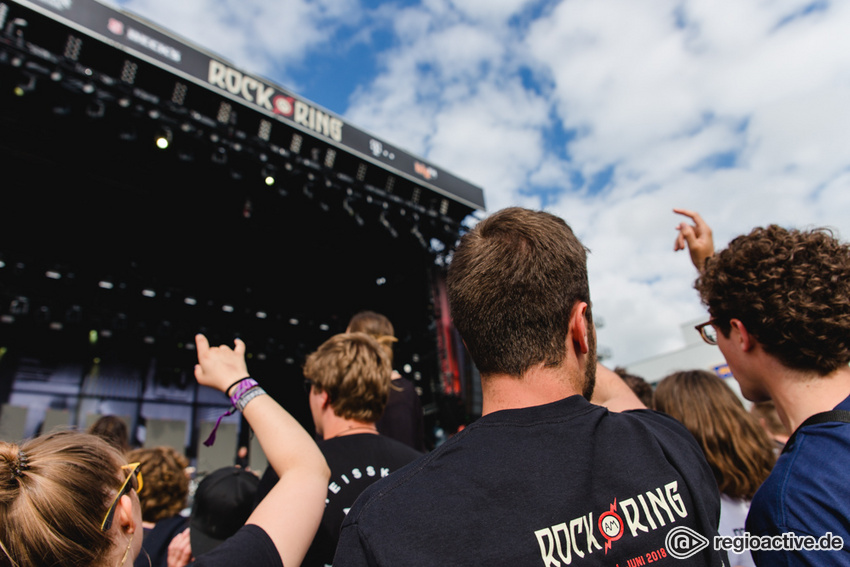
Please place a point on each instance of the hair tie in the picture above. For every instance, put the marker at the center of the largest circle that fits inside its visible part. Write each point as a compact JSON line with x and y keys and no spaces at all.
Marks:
{"x":21,"y":464}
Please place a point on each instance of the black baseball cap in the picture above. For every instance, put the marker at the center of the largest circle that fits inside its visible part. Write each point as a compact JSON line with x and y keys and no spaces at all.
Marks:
{"x":223,"y":501}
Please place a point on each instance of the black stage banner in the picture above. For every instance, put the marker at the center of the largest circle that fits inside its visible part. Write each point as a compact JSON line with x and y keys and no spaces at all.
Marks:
{"x":143,"y":40}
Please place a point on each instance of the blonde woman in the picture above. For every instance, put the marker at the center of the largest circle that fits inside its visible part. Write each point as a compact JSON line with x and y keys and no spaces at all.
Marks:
{"x":71,"y":499}
{"x":736,"y":447}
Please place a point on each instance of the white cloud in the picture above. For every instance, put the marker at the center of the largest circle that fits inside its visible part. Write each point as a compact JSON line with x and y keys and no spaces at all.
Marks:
{"x":257,"y":35}
{"x":665,"y":92}
{"x":735,"y":108}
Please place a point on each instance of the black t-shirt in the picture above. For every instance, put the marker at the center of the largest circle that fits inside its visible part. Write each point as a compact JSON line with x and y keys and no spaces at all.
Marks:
{"x":156,"y":540}
{"x":402,"y":419}
{"x":567,"y":483}
{"x":251,"y":546}
{"x":356,"y":461}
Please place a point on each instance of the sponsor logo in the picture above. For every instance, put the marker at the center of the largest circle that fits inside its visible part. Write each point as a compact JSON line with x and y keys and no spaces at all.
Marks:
{"x":264,"y":96}
{"x":425,"y":171}
{"x":115,"y":26}
{"x":378,"y":150}
{"x":153,"y":45}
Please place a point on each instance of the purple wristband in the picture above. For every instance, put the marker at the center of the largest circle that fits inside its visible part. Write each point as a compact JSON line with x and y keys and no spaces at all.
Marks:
{"x":241,"y":388}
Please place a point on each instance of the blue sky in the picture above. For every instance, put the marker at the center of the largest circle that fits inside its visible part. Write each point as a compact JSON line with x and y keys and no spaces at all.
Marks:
{"x":606,"y":112}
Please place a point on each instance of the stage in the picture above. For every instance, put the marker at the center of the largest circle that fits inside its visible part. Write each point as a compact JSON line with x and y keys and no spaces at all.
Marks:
{"x":264,"y":217}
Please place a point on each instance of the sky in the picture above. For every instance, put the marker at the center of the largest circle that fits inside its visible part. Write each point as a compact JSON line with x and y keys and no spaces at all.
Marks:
{"x":608,"y":113}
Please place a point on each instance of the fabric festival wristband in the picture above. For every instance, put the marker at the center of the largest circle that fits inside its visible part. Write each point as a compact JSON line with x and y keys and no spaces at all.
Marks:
{"x":211,"y":439}
{"x":242,"y":386}
{"x":240,"y":390}
{"x":227,"y":391}
{"x":249,"y":395}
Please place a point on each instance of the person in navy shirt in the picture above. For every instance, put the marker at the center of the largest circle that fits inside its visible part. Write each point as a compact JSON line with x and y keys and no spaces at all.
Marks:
{"x":779,"y":302}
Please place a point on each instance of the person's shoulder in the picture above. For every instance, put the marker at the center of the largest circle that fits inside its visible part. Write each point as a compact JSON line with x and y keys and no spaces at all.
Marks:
{"x":250,"y":545}
{"x":417,"y":478}
{"x":397,"y":447}
{"x":653,"y":419}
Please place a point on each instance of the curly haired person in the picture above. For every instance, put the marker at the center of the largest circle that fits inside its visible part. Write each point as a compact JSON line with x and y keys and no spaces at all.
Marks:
{"x":779,"y":302}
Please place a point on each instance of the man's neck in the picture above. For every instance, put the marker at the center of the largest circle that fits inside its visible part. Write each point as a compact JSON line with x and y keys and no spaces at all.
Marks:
{"x":335,"y":426}
{"x":537,"y":387}
{"x":799,"y":395}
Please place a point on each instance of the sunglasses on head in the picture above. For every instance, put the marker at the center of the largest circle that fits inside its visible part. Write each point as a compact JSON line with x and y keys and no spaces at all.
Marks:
{"x":132,"y":482}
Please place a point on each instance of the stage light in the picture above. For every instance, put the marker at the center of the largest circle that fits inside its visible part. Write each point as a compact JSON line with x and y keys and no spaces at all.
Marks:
{"x":382,"y":218}
{"x":219,"y":155}
{"x":25,"y":88}
{"x":163,"y":138}
{"x":104,"y":284}
{"x":148,"y":293}
{"x":269,"y":173}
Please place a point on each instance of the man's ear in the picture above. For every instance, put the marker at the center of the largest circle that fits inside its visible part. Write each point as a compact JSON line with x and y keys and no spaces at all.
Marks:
{"x":124,"y":514}
{"x":326,"y":399}
{"x":579,"y":328}
{"x":743,"y":339}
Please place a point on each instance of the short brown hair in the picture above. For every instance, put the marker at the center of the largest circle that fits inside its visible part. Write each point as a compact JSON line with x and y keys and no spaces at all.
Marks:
{"x":512,"y":285}
{"x":355,"y":371}
{"x":736,"y":447}
{"x":54,"y":493}
{"x":113,"y":430}
{"x":166,"y":485}
{"x":790,"y":288}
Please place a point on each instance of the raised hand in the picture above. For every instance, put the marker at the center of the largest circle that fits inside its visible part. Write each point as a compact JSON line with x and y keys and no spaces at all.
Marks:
{"x":218,"y":367}
{"x":697,"y":238}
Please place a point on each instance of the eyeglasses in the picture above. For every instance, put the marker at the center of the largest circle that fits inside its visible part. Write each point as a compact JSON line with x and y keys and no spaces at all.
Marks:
{"x":133,"y":482}
{"x":308,"y":385}
{"x":707,"y":332}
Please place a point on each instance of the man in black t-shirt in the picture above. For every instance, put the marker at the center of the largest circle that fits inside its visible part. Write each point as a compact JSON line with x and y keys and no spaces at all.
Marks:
{"x":349,"y":382}
{"x":544,"y":477}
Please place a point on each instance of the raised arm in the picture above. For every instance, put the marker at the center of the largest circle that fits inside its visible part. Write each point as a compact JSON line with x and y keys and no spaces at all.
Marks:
{"x":291,"y":512}
{"x":697,"y":238}
{"x":613,"y":393}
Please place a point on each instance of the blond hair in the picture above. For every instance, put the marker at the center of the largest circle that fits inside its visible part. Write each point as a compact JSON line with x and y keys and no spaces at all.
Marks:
{"x":375,"y":324}
{"x":736,"y":447}
{"x":356,"y":372}
{"x":54,"y":493}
